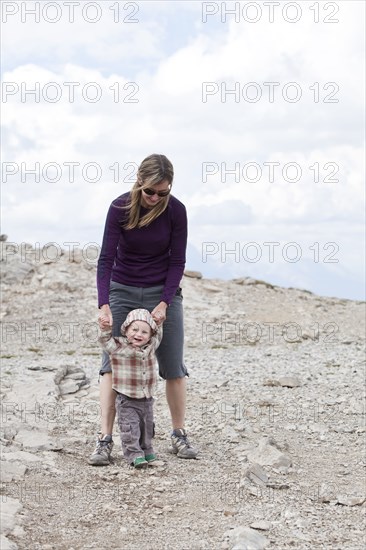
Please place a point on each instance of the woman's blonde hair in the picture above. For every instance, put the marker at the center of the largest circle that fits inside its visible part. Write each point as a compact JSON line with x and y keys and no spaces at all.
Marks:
{"x":153,"y":170}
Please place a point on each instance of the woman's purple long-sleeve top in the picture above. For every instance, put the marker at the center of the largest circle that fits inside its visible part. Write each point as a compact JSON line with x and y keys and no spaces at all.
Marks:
{"x":146,"y":256}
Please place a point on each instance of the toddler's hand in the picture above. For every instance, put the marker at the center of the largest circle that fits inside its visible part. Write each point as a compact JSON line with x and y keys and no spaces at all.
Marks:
{"x":104,"y":322}
{"x":159,"y":313}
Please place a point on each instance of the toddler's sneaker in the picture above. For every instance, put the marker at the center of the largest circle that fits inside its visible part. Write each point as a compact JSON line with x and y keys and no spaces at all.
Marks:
{"x":181,"y":446}
{"x":102,"y":453}
{"x":150,"y":458}
{"x":139,"y":462}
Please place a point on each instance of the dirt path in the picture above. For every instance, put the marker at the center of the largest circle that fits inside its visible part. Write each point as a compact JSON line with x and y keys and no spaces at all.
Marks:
{"x":281,"y":460}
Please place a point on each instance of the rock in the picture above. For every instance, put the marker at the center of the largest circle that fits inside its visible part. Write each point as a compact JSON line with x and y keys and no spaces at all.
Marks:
{"x":71,"y":369}
{"x":244,"y":538}
{"x":11,"y":471}
{"x":36,"y":440}
{"x":301,"y":536}
{"x":69,"y":379}
{"x":6,"y":544}
{"x":350,"y":501}
{"x":36,"y":366}
{"x":261,"y":525}
{"x":257,"y":475}
{"x":60,"y":374}
{"x":268,"y":454}
{"x":14,"y":268}
{"x":68,"y":386}
{"x":109,"y":507}
{"x":51,"y":253}
{"x":193,"y":274}
{"x":289,"y":382}
{"x":156,"y":464}
{"x":343,"y":429}
{"x":221,"y":383}
{"x":20,"y":456}
{"x":83,"y":392}
{"x":76,"y":256}
{"x":266,"y":403}
{"x":8,"y":514}
{"x":72,"y":386}
{"x":251,"y":281}
{"x":308,"y":335}
{"x":276,"y":485}
{"x":3,"y":238}
{"x":75,"y":376}
{"x":271,"y":382}
{"x":212,"y":288}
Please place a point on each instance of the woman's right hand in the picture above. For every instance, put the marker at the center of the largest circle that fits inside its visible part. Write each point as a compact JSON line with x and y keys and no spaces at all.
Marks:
{"x":105,"y":315}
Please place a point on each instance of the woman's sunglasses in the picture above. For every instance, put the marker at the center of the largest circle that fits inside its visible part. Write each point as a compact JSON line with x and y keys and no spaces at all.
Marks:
{"x":151,"y":192}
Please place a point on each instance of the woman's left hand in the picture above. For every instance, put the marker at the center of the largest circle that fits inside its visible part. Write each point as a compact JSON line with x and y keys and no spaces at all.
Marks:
{"x":159,"y":313}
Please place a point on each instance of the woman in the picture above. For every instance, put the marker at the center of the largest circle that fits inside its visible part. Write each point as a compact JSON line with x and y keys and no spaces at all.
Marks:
{"x":140,"y":266}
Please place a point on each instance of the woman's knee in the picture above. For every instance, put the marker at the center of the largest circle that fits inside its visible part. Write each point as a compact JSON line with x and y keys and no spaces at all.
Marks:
{"x":107,"y":394}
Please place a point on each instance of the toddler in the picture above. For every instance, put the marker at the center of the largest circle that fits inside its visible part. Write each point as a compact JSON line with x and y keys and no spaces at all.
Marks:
{"x":134,"y":379}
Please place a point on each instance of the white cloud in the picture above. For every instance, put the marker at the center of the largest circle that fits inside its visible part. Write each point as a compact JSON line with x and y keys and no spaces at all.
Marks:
{"x":171,"y":118}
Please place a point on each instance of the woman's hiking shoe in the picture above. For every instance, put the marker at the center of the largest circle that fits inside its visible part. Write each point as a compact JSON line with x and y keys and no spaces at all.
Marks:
{"x":102,"y":453}
{"x":181,"y":446}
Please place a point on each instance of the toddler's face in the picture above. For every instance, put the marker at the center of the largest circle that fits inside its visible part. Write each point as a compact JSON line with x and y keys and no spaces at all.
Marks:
{"x":138,"y":333}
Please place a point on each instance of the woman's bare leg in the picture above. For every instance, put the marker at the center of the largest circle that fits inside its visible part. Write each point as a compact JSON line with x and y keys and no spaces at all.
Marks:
{"x":107,"y":403}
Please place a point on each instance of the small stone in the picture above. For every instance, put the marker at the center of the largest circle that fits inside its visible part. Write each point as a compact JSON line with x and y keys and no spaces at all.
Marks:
{"x":254,"y":491}
{"x":268,"y":454}
{"x":271,"y":382}
{"x":20,"y":456}
{"x":245,"y":538}
{"x":71,"y":369}
{"x":256,"y":474}
{"x":83,"y":392}
{"x":69,"y":386}
{"x":343,"y":429}
{"x":11,"y":471}
{"x":266,"y":403}
{"x":350,"y":501}
{"x":76,"y":256}
{"x":8,"y":514}
{"x":279,"y":486}
{"x":221,"y":384}
{"x":109,"y":507}
{"x":193,"y":274}
{"x":75,"y":376}
{"x":289,"y":382}
{"x":6,"y":544}
{"x":261,"y":525}
{"x":36,"y":440}
{"x":156,"y":464}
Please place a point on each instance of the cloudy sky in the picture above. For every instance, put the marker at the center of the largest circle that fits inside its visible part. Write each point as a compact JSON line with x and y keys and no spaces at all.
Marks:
{"x":259,"y":105}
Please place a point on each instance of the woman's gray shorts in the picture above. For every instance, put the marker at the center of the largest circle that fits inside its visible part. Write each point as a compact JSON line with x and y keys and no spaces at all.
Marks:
{"x":123,"y":299}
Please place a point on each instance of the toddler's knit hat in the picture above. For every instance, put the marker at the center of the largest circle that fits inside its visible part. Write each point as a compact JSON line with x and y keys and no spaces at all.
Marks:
{"x":139,"y":315}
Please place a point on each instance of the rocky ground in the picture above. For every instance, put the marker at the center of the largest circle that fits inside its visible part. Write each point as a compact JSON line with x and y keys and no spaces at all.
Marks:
{"x":275,"y":406}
